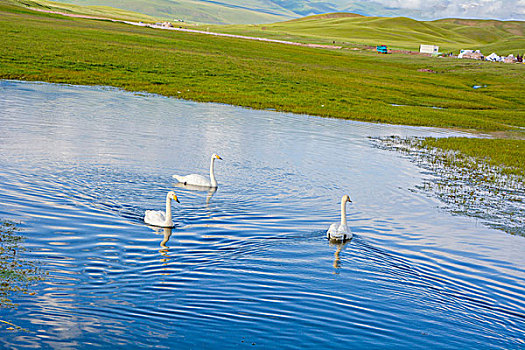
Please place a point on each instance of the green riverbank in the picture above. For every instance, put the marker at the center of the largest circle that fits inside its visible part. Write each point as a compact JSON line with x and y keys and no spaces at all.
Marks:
{"x":508,"y":155}
{"x":357,"y":85}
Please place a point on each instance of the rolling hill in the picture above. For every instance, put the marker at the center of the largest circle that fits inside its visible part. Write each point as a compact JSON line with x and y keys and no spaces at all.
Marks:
{"x":251,"y":11}
{"x":94,"y":11}
{"x":269,"y":11}
{"x":244,"y":12}
{"x":349,"y":30}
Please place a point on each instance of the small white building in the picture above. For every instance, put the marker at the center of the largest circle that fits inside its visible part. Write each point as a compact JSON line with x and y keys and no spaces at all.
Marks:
{"x":431,"y":49}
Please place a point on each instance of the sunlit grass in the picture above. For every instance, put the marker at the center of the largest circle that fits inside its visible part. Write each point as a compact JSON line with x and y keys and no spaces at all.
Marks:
{"x":482,"y":178}
{"x":509,"y":155}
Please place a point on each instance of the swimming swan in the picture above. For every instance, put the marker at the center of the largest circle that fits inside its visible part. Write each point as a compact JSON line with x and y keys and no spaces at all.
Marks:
{"x":199,"y":180}
{"x":159,"y":218}
{"x":340,"y":232}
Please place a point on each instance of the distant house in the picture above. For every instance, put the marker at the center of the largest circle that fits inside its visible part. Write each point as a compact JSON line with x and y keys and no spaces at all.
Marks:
{"x":430,"y":49}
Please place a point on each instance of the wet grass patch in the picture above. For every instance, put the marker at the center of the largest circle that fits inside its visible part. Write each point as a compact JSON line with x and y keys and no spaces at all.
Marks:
{"x":467,"y":181}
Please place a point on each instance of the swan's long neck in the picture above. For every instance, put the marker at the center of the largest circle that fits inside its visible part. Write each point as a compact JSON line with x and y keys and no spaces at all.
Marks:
{"x":168,"y":210}
{"x":212,"y":173}
{"x":343,"y":212}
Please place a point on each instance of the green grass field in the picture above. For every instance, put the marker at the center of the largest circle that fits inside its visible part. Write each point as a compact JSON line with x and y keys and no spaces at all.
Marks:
{"x":347,"y":84}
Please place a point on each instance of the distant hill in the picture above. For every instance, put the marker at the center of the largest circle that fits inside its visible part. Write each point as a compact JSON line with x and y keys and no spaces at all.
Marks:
{"x":246,"y":11}
{"x":269,"y":11}
{"x":348,"y":29}
{"x":93,"y":11}
{"x":207,"y":11}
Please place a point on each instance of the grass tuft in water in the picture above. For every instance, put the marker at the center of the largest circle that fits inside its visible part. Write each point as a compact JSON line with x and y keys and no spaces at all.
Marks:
{"x":16,"y":273}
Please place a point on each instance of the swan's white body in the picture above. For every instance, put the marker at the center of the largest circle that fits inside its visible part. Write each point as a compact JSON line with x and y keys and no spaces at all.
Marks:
{"x":199,"y":180}
{"x":160,"y":218}
{"x":340,"y":231}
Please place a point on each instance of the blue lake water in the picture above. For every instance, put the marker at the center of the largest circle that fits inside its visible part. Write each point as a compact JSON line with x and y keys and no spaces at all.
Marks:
{"x":251,"y":268}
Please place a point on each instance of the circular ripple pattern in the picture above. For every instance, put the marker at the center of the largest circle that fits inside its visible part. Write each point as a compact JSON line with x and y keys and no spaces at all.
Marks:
{"x":248,"y":265}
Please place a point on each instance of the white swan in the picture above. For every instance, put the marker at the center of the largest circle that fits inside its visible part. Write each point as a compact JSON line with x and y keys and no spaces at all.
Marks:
{"x":159,"y":218}
{"x":340,"y":231}
{"x":199,"y":180}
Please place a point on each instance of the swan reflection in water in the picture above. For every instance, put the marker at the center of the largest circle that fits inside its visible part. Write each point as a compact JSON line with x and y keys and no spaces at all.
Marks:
{"x":166,"y":232}
{"x":211,"y":190}
{"x":340,"y":246}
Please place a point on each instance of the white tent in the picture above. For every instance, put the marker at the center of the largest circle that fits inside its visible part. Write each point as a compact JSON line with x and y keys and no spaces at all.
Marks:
{"x":464,"y":52}
{"x":493,"y":57}
{"x":476,"y":55}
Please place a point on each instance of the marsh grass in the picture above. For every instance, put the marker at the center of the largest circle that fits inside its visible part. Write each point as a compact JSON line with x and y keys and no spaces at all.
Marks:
{"x":16,"y":272}
{"x":491,"y":190}
{"x":507,"y":155}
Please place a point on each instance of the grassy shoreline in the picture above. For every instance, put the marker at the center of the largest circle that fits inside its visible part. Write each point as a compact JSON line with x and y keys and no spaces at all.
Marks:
{"x":393,"y":89}
{"x":466,"y":181}
{"x":507,"y":155}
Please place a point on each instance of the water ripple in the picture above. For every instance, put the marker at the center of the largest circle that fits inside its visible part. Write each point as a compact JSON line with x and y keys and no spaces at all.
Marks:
{"x":249,"y":264}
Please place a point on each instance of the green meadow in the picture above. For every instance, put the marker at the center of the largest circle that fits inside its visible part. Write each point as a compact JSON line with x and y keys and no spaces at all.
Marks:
{"x":357,"y":85}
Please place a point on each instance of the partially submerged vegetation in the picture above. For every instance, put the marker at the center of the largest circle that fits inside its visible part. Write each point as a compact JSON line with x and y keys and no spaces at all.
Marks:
{"x":468,"y":183}
{"x":506,"y":155}
{"x":16,"y":273}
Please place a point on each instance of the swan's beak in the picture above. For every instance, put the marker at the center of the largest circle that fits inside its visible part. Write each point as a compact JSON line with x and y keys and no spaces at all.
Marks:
{"x":176,"y":199}
{"x":218,"y":157}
